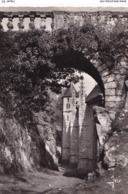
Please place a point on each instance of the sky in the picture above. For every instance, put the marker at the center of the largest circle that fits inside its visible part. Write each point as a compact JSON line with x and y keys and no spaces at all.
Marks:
{"x":89,"y":83}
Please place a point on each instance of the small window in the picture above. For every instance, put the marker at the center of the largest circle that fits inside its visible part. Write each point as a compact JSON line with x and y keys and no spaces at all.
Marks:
{"x":67,"y":117}
{"x":68,"y":106}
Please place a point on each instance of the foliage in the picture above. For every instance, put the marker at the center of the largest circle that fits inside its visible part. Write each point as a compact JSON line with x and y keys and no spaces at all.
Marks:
{"x":35,"y":62}
{"x":101,"y":40}
{"x":121,"y":122}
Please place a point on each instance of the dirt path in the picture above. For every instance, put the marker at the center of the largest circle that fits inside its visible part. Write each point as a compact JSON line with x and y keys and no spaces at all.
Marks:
{"x":37,"y":182}
{"x":53,"y":182}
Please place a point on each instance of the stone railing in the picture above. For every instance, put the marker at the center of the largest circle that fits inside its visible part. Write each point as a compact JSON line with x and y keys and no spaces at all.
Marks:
{"x":53,"y":19}
{"x":25,"y":20}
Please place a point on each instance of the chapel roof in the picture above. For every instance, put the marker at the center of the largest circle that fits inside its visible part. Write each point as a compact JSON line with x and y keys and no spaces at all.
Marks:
{"x":68,"y":92}
{"x":96,"y":91}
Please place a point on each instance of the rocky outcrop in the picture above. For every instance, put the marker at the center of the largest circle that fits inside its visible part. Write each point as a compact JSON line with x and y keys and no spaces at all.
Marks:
{"x":25,"y":147}
{"x":113,"y":144}
{"x":103,"y":124}
{"x":116,"y":150}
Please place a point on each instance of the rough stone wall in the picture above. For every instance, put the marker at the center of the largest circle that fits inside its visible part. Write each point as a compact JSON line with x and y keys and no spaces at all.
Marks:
{"x":25,"y":148}
{"x":113,"y":144}
{"x":86,"y":143}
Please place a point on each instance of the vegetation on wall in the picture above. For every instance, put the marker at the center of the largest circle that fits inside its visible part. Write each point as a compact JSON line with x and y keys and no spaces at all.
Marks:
{"x":32,"y":62}
{"x":35,"y":65}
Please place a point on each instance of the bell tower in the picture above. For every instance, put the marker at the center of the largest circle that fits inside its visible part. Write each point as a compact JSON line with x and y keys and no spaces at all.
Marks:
{"x":68,"y":131}
{"x":82,"y":105}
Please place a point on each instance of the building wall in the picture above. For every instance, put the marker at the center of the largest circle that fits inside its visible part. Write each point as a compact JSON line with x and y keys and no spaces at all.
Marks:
{"x":79,"y":146}
{"x":74,"y":137}
{"x":70,"y":135}
{"x":66,"y":130}
{"x":86,"y":142}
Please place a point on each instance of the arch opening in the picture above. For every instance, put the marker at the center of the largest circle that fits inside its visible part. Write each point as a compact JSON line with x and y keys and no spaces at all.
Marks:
{"x":76,"y":60}
{"x":79,"y":136}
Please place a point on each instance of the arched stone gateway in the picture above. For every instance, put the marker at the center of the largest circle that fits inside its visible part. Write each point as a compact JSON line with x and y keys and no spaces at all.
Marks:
{"x":110,"y":80}
{"x":79,"y":139}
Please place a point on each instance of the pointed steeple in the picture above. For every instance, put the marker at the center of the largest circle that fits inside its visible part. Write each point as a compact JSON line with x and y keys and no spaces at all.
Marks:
{"x":82,"y":105}
{"x":82,"y":92}
{"x":70,"y":89}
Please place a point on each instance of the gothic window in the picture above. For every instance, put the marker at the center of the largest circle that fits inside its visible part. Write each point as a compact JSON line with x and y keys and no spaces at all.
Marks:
{"x":67,"y":117}
{"x":68,"y":106}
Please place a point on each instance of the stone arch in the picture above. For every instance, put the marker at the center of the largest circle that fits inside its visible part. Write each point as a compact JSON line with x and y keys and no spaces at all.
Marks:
{"x":109,"y":82}
{"x":83,"y":153}
{"x":97,"y":70}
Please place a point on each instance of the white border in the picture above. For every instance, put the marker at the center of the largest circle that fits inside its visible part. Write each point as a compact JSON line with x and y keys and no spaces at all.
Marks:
{"x":64,"y":3}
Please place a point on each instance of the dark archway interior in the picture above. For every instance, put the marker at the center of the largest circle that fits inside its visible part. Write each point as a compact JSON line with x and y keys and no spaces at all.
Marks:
{"x":77,"y":60}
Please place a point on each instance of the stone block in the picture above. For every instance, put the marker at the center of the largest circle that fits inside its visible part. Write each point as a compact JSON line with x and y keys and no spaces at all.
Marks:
{"x":111,"y":92}
{"x":96,"y":62}
{"x":104,"y":73}
{"x":112,"y":105}
{"x":109,"y":78}
{"x":119,"y":92}
{"x":113,"y":98}
{"x":102,"y":68}
{"x":110,"y":85}
{"x":119,"y":76}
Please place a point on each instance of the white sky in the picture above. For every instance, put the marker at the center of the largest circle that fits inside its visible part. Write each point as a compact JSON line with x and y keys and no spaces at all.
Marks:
{"x":61,"y":3}
{"x":89,"y":83}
